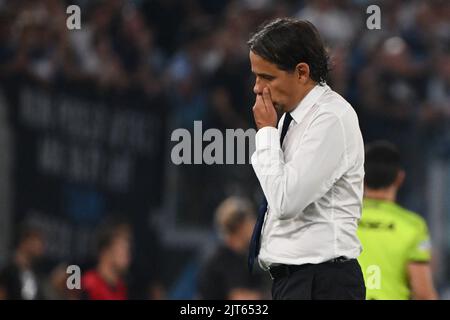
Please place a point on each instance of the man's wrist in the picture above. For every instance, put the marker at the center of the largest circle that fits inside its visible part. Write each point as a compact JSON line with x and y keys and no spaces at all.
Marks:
{"x":267,"y":125}
{"x":267,"y":137}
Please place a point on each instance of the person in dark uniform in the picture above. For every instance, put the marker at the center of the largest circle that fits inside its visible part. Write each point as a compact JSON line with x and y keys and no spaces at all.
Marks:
{"x":223,"y":275}
{"x":20,"y":280}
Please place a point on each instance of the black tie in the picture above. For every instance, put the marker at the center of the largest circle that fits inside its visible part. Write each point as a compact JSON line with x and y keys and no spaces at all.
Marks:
{"x":286,"y":123}
{"x":256,"y":236}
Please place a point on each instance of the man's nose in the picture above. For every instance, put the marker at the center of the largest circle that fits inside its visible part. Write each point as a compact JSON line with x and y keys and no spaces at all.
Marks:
{"x":258,"y":88}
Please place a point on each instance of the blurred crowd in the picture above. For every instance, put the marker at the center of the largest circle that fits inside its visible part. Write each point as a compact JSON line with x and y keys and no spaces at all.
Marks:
{"x":193,"y":56}
{"x":195,"y":52}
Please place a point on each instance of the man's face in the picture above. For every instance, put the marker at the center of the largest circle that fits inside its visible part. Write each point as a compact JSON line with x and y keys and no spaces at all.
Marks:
{"x":120,"y":251}
{"x":283,"y":85}
{"x":35,"y":246}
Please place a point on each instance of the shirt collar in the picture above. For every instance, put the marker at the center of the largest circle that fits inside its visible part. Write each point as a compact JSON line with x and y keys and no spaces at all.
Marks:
{"x":299,"y":113}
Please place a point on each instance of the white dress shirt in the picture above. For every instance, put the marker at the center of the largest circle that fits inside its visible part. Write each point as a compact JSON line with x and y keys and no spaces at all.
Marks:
{"x":313,"y":183}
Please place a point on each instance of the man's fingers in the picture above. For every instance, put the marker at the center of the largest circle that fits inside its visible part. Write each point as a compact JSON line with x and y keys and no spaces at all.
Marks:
{"x":258,"y":102}
{"x":264,"y":111}
{"x":267,"y":99}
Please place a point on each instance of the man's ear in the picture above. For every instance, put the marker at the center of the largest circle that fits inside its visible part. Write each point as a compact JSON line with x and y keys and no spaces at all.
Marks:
{"x":302,"y":72}
{"x":400,"y":178}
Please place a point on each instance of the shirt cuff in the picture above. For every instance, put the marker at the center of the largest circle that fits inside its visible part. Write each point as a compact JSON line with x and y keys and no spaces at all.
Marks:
{"x":267,"y":138}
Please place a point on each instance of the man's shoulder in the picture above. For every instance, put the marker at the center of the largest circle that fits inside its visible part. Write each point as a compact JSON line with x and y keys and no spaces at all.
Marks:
{"x":411,"y":218}
{"x":331,"y":97}
{"x":334,"y":104}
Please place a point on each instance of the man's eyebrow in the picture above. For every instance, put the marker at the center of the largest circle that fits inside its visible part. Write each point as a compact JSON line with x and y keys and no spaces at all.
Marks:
{"x":264,"y":75}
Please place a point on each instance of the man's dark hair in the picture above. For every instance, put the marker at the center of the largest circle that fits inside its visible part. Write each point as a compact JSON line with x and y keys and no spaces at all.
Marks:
{"x":382,"y":164}
{"x":28,"y":231}
{"x":108,"y":232}
{"x":287,"y":42}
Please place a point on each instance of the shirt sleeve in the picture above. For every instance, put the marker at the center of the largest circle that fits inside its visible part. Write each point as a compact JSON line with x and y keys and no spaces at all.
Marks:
{"x":315,"y":166}
{"x":421,"y":248}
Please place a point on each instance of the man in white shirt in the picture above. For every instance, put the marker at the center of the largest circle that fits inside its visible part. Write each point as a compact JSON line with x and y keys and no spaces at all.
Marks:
{"x":311,"y":169}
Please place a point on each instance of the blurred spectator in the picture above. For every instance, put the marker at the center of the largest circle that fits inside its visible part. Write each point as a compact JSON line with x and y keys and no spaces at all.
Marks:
{"x":334,"y":20}
{"x":224,"y":275}
{"x":157,"y":291}
{"x":435,"y":115}
{"x":20,"y":279}
{"x":107,"y":280}
{"x":56,"y":285}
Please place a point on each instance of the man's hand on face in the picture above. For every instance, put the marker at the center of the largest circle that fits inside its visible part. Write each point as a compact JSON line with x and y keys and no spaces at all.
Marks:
{"x":263,"y":111}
